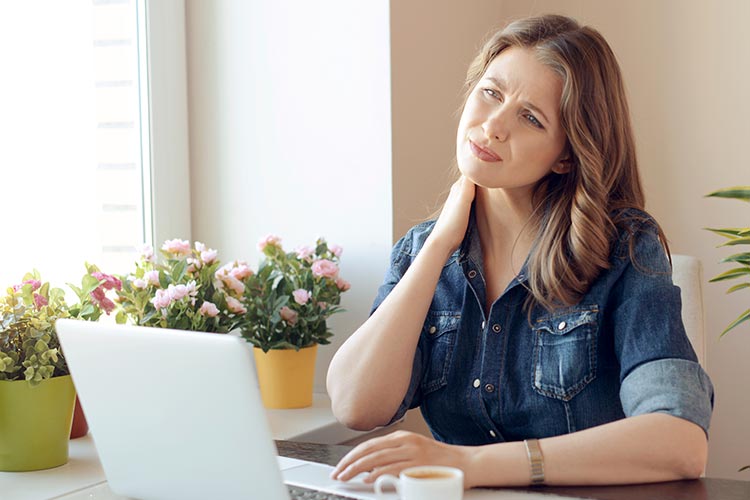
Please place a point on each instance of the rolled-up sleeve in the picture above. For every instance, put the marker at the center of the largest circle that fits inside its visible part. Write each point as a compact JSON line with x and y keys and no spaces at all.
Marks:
{"x":659,"y":371}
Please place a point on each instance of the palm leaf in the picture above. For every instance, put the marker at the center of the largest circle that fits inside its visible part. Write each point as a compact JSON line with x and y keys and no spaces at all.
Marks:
{"x":731,"y":274}
{"x":736,"y":193}
{"x":740,"y":258}
{"x":742,"y":318}
{"x":728,"y":232}
{"x":745,"y":240}
{"x":739,"y":286}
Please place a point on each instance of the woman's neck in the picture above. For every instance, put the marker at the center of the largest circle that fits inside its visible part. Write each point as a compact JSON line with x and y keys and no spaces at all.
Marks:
{"x":504,"y":222}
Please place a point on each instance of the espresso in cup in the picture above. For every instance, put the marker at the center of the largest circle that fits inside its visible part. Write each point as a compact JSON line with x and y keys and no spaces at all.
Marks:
{"x":426,"y":482}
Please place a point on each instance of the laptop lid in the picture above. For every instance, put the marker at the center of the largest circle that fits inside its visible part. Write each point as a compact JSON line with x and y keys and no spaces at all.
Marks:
{"x":174,"y":414}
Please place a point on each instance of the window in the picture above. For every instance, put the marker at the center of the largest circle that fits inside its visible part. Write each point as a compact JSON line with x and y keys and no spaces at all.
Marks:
{"x":77,"y":121}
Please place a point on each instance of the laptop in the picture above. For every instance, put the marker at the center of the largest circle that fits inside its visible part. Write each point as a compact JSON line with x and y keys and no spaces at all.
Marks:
{"x":178,"y":415}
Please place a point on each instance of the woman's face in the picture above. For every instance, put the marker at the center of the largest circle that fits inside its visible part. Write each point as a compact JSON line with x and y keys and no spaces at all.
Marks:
{"x":510,"y":135}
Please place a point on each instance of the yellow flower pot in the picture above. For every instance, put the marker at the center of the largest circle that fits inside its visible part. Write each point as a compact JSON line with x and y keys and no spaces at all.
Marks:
{"x":286,"y":376}
{"x":35,"y":423}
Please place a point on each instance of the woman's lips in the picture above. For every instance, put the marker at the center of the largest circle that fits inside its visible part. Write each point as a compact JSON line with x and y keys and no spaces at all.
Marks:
{"x":483,"y":154}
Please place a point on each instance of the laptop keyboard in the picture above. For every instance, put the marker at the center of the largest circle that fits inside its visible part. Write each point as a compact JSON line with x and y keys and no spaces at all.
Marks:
{"x":299,"y":493}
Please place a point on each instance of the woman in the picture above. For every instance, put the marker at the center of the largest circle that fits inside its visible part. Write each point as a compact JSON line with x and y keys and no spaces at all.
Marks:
{"x":535,"y":322}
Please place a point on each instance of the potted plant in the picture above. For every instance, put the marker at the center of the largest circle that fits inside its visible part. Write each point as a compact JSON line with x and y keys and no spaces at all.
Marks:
{"x":36,"y":393}
{"x":288,"y":302}
{"x":741,"y":261}
{"x":186,"y":290}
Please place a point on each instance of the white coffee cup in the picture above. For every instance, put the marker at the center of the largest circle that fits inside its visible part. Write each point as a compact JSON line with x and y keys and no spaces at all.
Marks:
{"x":426,"y":482}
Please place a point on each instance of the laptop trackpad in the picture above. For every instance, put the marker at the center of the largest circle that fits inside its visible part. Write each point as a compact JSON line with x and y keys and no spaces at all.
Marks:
{"x":317,"y":477}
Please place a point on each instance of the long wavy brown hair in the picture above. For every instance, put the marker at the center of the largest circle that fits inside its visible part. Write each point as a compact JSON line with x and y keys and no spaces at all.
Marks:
{"x":579,"y":212}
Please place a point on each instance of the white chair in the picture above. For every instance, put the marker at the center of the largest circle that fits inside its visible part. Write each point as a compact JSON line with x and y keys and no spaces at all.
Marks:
{"x":687,"y":273}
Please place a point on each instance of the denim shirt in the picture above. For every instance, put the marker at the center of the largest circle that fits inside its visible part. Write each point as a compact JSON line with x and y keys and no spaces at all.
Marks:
{"x":620,"y":351}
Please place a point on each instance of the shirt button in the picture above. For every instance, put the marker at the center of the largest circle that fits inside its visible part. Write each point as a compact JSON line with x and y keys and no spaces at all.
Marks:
{"x":472,"y":274}
{"x":432,"y":330}
{"x":496,"y":328}
{"x":492,"y":433}
{"x":483,"y":325}
{"x":489,"y":388}
{"x":476,"y":382}
{"x":562,"y":325}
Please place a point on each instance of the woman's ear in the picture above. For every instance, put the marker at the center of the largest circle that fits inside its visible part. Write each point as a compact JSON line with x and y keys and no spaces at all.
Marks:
{"x":563,"y":165}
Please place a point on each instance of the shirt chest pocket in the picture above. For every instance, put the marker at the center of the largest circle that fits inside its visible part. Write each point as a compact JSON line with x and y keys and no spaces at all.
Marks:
{"x":439,"y":340}
{"x":565,"y":352}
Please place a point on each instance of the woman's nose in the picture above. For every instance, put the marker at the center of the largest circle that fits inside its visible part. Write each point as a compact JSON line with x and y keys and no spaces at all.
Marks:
{"x":497,"y":125}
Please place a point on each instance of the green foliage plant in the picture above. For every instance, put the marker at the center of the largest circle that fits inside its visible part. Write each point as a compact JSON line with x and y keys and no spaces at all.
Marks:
{"x":735,"y":236}
{"x":29,"y":348}
{"x":292,"y":295}
{"x":186,"y":289}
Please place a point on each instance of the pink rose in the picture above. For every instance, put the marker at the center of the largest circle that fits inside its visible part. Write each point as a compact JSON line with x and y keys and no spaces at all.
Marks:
{"x":269,"y":239}
{"x":177,"y":292}
{"x":322,"y":305}
{"x":336,"y":250}
{"x":305,"y":252}
{"x":177,"y":247}
{"x":209,"y":256}
{"x":35,"y":284}
{"x":235,"y":305}
{"x":108,"y":282}
{"x":288,"y":315}
{"x":161,"y":299}
{"x":208,"y":309}
{"x":325,"y":268}
{"x":139,"y":283}
{"x":301,"y":296}
{"x":342,"y":284}
{"x":40,"y":301}
{"x":241,"y":270}
{"x":101,"y":300}
{"x":147,"y":253}
{"x":153,"y":278}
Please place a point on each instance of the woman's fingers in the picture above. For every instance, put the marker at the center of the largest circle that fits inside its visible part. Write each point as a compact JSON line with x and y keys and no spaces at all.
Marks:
{"x":454,"y":218}
{"x":379,"y":459}
{"x":388,"y":442}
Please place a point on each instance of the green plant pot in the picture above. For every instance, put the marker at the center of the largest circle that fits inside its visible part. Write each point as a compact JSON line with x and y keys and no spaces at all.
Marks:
{"x":35,"y":423}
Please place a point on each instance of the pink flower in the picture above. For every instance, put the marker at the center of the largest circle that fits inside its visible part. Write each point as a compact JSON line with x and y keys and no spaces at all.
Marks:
{"x":305,"y":252}
{"x":228,"y":275}
{"x":288,"y":315}
{"x":301,"y":296}
{"x":325,"y":268}
{"x":147,"y":253}
{"x":200,"y":247}
{"x":109,"y":282}
{"x":177,"y":292}
{"x":177,"y":247}
{"x":35,"y":284}
{"x":269,"y":239}
{"x":153,"y":277}
{"x":209,"y":256}
{"x":40,"y":301}
{"x":209,"y":309}
{"x":336,"y":250}
{"x":139,"y":283}
{"x":322,"y":305}
{"x":235,"y":305}
{"x":162,"y":299}
{"x":241,"y":270}
{"x":342,"y":284}
{"x":101,"y":300}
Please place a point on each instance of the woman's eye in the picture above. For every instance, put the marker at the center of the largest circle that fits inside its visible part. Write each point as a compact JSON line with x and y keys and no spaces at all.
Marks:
{"x":532,"y":119}
{"x":491,"y":93}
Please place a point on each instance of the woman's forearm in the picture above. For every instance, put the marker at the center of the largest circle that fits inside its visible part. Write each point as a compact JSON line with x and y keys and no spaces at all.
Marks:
{"x":369,"y":375}
{"x":646,"y":448}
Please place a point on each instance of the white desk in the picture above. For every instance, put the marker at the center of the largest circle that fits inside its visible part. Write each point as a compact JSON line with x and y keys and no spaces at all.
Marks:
{"x":83,"y":477}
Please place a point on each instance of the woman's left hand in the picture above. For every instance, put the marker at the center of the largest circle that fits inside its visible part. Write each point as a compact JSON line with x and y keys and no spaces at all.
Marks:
{"x":397,"y":451}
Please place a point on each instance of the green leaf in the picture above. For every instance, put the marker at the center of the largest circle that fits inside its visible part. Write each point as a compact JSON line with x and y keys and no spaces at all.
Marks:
{"x":87,"y":309}
{"x":742,"y":318}
{"x":89,"y":284}
{"x":740,"y":258}
{"x":736,"y":193}
{"x":738,"y":287}
{"x":745,"y":240}
{"x":731,"y":274}
{"x":727,"y":232}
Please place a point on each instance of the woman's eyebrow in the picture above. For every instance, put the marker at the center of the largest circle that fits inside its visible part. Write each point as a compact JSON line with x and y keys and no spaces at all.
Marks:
{"x":500,"y":83}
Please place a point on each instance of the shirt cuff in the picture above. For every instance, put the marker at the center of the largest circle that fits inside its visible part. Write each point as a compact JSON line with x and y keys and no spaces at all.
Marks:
{"x":678,"y":387}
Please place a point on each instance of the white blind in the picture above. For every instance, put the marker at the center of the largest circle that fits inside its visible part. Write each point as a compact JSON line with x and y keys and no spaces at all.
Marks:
{"x":71,"y":160}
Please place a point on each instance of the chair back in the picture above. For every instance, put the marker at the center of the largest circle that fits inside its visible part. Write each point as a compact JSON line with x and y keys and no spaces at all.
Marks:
{"x":687,"y":273}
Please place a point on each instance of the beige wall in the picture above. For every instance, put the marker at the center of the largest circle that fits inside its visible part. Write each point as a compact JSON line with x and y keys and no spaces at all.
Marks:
{"x":686,"y":67}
